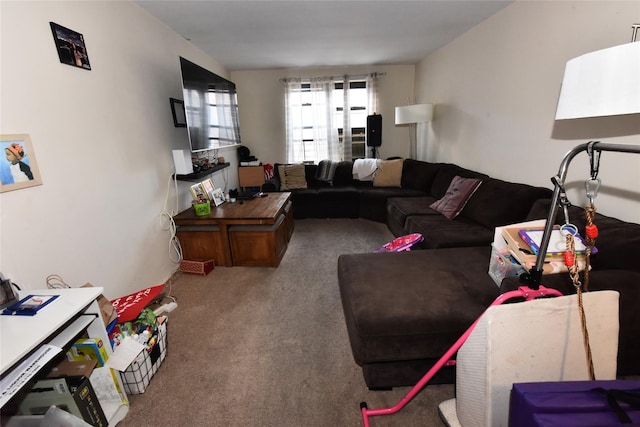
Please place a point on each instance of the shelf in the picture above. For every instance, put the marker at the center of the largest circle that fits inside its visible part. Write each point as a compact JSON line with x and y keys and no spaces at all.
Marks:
{"x":196,"y":176}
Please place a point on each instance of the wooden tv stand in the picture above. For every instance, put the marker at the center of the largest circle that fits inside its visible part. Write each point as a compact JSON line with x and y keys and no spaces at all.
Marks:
{"x":245,"y":233}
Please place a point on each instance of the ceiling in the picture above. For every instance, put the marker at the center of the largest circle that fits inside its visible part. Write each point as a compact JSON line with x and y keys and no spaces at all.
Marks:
{"x":266,"y":34}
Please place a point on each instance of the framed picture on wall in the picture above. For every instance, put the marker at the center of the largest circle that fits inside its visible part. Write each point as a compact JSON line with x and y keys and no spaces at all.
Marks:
{"x":70,"y":45}
{"x":18,"y":168}
{"x":177,"y":110}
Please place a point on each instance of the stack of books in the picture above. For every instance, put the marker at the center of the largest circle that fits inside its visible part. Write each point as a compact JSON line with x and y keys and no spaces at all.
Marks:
{"x":523,"y":245}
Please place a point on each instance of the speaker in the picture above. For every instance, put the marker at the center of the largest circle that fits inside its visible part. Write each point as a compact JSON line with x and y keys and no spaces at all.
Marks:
{"x":182,"y":162}
{"x":374,"y":130}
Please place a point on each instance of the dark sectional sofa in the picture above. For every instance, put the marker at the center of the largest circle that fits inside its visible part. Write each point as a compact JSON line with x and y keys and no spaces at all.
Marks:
{"x":403,"y":311}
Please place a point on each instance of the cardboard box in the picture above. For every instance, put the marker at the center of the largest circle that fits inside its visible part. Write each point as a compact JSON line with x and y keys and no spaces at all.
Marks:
{"x":68,"y":368}
{"x":88,"y":349}
{"x":73,"y":394}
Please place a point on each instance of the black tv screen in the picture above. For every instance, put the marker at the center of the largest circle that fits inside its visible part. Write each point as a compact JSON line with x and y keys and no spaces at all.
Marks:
{"x":211,"y":108}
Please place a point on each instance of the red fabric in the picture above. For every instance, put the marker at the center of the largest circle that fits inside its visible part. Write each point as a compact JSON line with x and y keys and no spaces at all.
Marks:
{"x":130,"y":306}
{"x":268,"y":171}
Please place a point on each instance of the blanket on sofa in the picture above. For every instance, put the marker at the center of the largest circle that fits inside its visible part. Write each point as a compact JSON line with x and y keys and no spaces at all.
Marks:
{"x":364,"y":169}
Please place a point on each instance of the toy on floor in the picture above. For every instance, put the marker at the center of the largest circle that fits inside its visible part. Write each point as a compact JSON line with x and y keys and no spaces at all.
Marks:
{"x":402,"y":243}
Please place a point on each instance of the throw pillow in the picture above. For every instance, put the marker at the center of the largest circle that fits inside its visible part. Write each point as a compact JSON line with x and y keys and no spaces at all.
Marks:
{"x":292,"y":177}
{"x":459,"y":192}
{"x":388,"y":174}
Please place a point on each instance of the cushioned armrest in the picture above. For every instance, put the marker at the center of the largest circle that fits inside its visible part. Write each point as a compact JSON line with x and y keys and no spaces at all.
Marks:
{"x":270,"y":186}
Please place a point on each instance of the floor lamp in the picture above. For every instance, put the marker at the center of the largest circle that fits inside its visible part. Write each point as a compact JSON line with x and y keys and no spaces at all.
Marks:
{"x":597,"y":84}
{"x":410,"y":115}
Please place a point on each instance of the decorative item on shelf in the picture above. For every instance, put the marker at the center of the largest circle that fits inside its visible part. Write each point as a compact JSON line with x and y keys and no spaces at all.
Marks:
{"x":218,"y":196}
{"x":202,"y":207}
{"x":208,"y":188}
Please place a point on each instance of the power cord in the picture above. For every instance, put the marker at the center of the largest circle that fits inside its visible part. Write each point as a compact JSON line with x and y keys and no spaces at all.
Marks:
{"x":167,"y":223}
{"x":54,"y":281}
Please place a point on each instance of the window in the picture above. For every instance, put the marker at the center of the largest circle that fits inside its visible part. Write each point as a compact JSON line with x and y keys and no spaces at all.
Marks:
{"x":325,"y":121}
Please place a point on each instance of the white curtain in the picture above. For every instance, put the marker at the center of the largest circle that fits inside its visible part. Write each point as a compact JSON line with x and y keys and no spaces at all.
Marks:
{"x":311,"y":133}
{"x":311,"y":120}
{"x":346,"y":121}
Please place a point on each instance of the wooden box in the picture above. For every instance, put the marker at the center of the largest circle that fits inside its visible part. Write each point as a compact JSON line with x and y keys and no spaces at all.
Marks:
{"x":201,"y":243}
{"x":203,"y":267}
{"x":258,"y":245}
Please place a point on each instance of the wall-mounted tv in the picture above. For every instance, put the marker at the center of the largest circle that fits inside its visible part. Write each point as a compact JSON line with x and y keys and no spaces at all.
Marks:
{"x":211,"y":108}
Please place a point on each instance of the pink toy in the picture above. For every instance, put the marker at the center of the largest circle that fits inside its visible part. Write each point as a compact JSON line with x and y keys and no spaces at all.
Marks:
{"x":402,"y":243}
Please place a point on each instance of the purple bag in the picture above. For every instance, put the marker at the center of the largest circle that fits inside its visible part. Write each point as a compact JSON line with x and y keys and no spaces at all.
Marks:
{"x":575,"y":403}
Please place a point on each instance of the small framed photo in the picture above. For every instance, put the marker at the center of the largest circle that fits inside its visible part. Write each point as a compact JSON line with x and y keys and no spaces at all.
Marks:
{"x":218,"y":196}
{"x":19,"y":168}
{"x":70,"y":45}
{"x":198,"y":193}
{"x":177,"y":110}
{"x":208,"y":188}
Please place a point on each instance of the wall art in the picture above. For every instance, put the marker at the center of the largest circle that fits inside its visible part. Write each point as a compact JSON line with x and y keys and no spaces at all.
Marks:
{"x":71,"y":47}
{"x":19,"y":169}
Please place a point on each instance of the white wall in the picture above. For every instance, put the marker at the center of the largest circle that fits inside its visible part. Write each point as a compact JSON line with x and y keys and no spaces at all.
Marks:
{"x":496,"y":89}
{"x":103,"y":140}
{"x":261,"y":104}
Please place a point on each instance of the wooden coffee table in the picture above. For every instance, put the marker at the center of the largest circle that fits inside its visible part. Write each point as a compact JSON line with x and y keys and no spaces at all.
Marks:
{"x":207,"y":237}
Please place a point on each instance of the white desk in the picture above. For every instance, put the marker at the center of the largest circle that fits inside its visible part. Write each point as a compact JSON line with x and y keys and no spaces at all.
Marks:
{"x":76,"y":310}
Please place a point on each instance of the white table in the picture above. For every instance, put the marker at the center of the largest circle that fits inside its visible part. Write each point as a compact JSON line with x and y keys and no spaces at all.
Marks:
{"x":74,"y":311}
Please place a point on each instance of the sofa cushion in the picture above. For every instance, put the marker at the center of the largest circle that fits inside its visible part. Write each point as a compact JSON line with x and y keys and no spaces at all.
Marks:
{"x":340,"y":202}
{"x":412,"y":305}
{"x":498,"y":202}
{"x":388,"y":174}
{"x":399,"y":208}
{"x":440,"y":232}
{"x":373,"y":200}
{"x":456,"y":197}
{"x":292,"y":177}
{"x":343,"y":174}
{"x":419,"y":175}
{"x":446,"y":173}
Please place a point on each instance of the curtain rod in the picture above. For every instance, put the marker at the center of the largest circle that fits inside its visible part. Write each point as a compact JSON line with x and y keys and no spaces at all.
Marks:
{"x":351,"y":76}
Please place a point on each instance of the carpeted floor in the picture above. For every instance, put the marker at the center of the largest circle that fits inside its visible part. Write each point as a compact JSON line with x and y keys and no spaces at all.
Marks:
{"x":268,"y":346}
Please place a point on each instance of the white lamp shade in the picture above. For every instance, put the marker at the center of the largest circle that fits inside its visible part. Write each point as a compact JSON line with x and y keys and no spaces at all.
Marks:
{"x":418,"y":113}
{"x":601,"y":83}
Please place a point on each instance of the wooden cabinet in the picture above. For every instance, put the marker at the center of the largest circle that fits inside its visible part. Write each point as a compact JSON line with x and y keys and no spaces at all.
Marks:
{"x":202,"y":243}
{"x":251,"y":176}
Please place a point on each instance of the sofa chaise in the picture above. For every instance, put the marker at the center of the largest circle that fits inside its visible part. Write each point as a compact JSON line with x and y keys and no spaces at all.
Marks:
{"x":404,"y":310}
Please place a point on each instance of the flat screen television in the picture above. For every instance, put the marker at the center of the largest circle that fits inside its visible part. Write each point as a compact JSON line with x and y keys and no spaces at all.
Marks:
{"x":211,"y":108}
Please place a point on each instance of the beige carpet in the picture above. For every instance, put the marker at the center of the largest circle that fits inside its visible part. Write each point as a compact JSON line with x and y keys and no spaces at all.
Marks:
{"x":269,"y":347}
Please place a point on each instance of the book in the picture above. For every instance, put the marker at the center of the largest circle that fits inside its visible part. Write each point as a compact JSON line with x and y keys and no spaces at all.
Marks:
{"x":557,"y":242}
{"x":520,"y":250}
{"x":29,"y":305}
